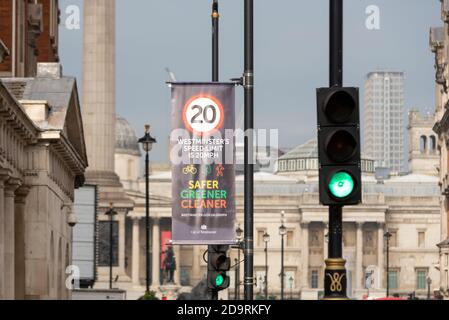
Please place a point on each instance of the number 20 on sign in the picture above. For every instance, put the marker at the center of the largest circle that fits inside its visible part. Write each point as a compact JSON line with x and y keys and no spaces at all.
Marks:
{"x":203,"y":114}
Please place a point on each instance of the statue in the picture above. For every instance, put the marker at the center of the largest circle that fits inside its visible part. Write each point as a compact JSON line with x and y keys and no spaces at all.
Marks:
{"x":170,"y":264}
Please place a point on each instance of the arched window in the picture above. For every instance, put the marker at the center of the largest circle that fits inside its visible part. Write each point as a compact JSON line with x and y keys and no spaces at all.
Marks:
{"x":433,"y":144}
{"x":423,"y":144}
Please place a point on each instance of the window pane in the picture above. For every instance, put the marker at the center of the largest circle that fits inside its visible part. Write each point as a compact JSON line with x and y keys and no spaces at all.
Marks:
{"x":421,"y":280}
{"x":314,"y":280}
{"x":104,"y":242}
{"x":393,"y":279}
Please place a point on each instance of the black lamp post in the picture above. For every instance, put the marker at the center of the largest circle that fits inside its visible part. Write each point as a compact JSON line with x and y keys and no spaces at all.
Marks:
{"x":266,"y":239}
{"x":111,"y":213}
{"x":429,"y":283}
{"x":147,"y":142}
{"x":387,"y":236}
{"x":239,"y":234}
{"x":282,"y":232}
{"x":290,"y":280}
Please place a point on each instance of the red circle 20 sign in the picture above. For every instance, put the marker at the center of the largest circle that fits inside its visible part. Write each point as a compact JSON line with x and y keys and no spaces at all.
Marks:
{"x":203,"y":114}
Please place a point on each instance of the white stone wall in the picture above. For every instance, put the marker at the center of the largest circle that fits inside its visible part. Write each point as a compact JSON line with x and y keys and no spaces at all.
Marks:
{"x":127,"y":167}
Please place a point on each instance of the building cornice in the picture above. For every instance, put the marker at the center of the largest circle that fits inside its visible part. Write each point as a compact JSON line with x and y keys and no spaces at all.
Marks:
{"x":12,"y":111}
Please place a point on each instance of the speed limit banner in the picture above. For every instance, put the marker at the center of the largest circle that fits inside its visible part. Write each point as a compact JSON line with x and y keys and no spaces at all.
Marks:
{"x":202,"y":156}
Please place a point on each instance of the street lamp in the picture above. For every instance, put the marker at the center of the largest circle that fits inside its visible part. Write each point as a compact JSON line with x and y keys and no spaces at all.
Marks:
{"x":429,"y":283}
{"x":387,"y":236}
{"x":290,"y":280}
{"x":282,"y":232}
{"x":239,"y":235}
{"x":147,"y":142}
{"x":111,"y":213}
{"x":266,"y":239}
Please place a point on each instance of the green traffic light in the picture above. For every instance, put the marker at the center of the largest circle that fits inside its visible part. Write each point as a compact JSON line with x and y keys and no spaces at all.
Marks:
{"x":219,"y":280}
{"x":341,"y":185}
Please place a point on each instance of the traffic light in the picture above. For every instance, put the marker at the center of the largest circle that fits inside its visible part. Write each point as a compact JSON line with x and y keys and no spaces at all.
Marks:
{"x":339,"y":146}
{"x":218,"y":264}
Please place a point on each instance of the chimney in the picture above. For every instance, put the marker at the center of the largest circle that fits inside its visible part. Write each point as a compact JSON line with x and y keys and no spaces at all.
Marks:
{"x":36,"y":110}
{"x":49,"y":70}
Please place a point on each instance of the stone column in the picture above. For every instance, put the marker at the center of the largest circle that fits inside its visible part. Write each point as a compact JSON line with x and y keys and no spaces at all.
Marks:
{"x":156,"y":254}
{"x":195,"y":276}
{"x":177,"y":250}
{"x":325,"y":240}
{"x":136,"y":252}
{"x":19,"y":256}
{"x":99,"y":88}
{"x":380,"y":254}
{"x":305,"y":255}
{"x":9,"y":224}
{"x":120,"y":219}
{"x":2,"y":234}
{"x":359,"y":257}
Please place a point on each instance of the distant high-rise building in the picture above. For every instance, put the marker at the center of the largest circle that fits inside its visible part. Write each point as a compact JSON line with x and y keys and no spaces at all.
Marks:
{"x":384,"y":119}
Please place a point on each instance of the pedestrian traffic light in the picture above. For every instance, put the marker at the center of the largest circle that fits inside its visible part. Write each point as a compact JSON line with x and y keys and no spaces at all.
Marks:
{"x":339,"y":146}
{"x":218,"y":264}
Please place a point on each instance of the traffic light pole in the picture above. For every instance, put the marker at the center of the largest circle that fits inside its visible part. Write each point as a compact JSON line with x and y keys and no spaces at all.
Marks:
{"x":335,"y":274}
{"x":248,"y":83}
{"x":336,"y":43}
{"x":213,"y":294}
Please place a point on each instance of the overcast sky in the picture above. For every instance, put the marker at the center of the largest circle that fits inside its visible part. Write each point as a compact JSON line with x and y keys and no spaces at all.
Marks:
{"x":291,"y":56}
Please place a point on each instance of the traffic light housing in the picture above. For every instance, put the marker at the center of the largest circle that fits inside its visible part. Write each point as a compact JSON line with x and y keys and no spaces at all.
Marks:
{"x":339,"y":146}
{"x":218,"y":265}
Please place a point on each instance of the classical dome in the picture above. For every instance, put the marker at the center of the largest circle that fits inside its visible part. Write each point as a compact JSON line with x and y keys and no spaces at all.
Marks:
{"x":126,"y":138}
{"x":305,"y":158}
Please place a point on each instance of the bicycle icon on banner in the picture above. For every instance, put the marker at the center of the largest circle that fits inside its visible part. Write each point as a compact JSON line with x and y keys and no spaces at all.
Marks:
{"x":193,"y":170}
{"x":190,"y":169}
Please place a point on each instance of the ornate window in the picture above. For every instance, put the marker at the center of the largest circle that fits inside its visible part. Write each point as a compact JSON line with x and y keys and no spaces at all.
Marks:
{"x":369,"y":242}
{"x":314,"y":238}
{"x":314,"y":279}
{"x":423,"y":144}
{"x":433,"y":144}
{"x":421,"y":279}
{"x":393,"y":279}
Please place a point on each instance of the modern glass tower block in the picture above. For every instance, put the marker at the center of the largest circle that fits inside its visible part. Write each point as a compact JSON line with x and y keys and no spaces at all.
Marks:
{"x":384,"y":119}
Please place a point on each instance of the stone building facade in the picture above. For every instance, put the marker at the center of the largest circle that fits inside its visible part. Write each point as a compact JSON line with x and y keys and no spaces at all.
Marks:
{"x":407,"y":206}
{"x":439,"y":45}
{"x":42,"y":161}
{"x":423,"y":151}
{"x":42,"y":153}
